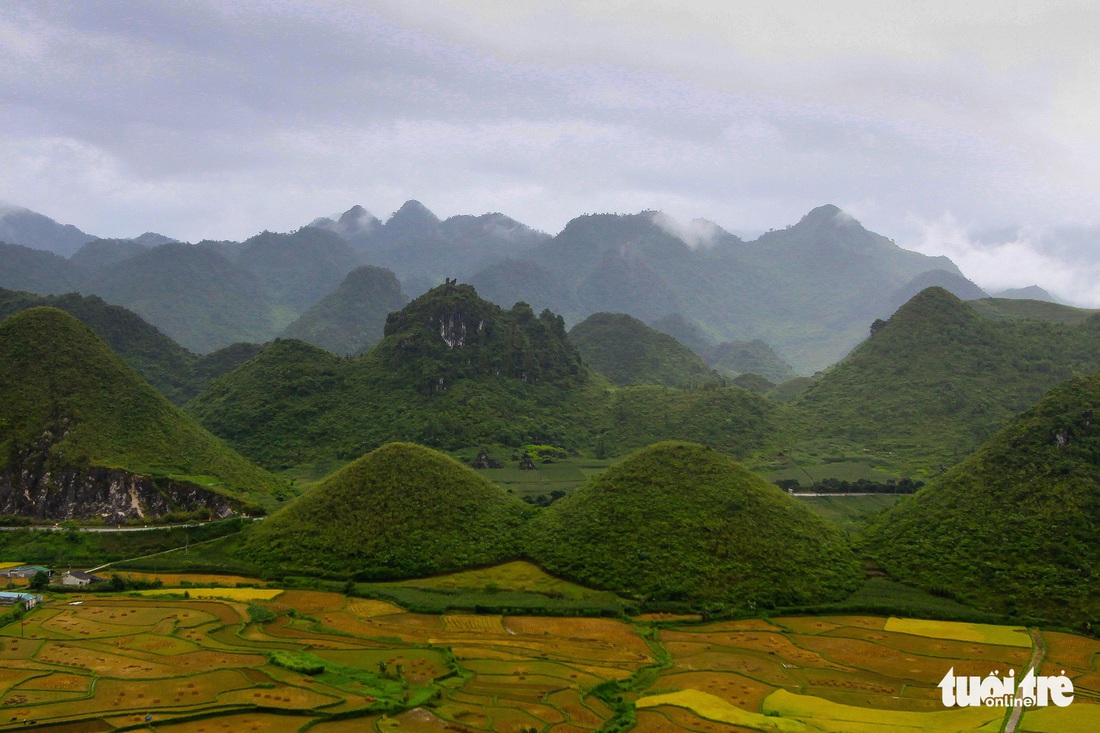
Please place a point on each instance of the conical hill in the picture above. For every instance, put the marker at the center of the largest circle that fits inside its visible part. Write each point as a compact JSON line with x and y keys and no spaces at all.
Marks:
{"x":76,"y":421}
{"x":678,"y":521}
{"x":628,"y":352}
{"x":1016,"y":526}
{"x":400,"y":511}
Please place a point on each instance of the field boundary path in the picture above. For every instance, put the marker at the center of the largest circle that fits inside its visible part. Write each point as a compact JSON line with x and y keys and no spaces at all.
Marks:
{"x":1038,"y":651}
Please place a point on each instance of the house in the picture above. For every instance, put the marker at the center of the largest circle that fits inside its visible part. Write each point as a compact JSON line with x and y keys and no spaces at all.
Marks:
{"x":79,"y":578}
{"x":25,"y":571}
{"x":29,"y":600}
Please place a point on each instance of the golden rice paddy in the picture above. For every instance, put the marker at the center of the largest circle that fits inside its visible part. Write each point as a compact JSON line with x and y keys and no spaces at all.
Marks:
{"x":199,"y":665}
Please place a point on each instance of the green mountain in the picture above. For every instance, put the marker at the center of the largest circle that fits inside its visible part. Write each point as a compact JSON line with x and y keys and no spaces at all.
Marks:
{"x":84,"y":435}
{"x":1014,"y":528}
{"x":99,"y":254}
{"x":1024,"y":309}
{"x":402,"y":511}
{"x":457,"y":373}
{"x":420,"y":248}
{"x":352,"y":318}
{"x":808,"y":290}
{"x":936,"y":381}
{"x":193,"y":294}
{"x":36,"y":271}
{"x":297,"y":269}
{"x":678,"y":522}
{"x":737,"y":358}
{"x":628,"y":352}
{"x":158,"y":359}
{"x":175,"y":372}
{"x":729,"y":358}
{"x":452,"y":371}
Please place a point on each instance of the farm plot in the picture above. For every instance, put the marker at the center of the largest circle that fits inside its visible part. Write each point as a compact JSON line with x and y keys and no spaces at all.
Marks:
{"x":201,"y":666}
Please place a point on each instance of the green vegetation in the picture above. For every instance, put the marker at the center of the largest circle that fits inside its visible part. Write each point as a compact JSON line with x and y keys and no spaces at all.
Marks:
{"x":850,"y":513}
{"x":453,"y":372}
{"x":628,"y":352}
{"x":175,"y":372}
{"x":401,"y":511}
{"x":1039,"y":310}
{"x":68,"y":403}
{"x":193,"y":294}
{"x":89,"y":549}
{"x":1014,"y":528}
{"x":680,"y":522}
{"x":351,"y":319}
{"x":300,"y":662}
{"x":934,"y":382}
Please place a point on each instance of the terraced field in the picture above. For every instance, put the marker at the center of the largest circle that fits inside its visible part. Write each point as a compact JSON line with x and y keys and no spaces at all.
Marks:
{"x":331,"y":664}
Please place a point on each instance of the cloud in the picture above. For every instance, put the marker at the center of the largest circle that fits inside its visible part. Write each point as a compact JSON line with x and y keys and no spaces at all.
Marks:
{"x":1014,"y":259}
{"x":219,"y":119}
{"x":695,"y":234}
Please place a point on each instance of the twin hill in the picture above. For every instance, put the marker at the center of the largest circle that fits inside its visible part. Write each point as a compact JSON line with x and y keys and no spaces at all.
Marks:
{"x":675,"y":522}
{"x":401,"y":511}
{"x":1014,"y":528}
{"x":83,"y":435}
{"x":680,"y":521}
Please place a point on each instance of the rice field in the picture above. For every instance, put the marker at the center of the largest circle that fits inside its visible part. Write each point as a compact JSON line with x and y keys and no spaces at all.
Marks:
{"x":200,"y":665}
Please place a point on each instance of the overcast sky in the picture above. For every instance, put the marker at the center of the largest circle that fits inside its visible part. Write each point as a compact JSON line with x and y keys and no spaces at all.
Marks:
{"x":931,"y":122}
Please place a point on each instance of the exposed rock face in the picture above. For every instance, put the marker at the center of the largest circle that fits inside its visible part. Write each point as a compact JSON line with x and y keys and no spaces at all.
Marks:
{"x":449,"y":333}
{"x":110,"y":494}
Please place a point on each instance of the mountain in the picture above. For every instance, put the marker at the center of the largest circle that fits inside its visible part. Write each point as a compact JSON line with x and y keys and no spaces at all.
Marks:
{"x":808,"y":291}
{"x":191,"y":293}
{"x":31,"y":229}
{"x":36,"y":271}
{"x":352,"y":318}
{"x":84,"y":436}
{"x":1015,"y":527}
{"x":628,"y":352}
{"x":452,"y":371}
{"x":737,"y":358}
{"x":687,"y":332}
{"x":418,"y":247}
{"x":401,"y":511}
{"x":1037,"y":310}
{"x":953,"y":283}
{"x":99,"y":254}
{"x":159,"y":360}
{"x":937,"y":380}
{"x":680,"y":522}
{"x":729,"y":358}
{"x":1031,"y":292}
{"x":172,"y":370}
{"x":299,"y":268}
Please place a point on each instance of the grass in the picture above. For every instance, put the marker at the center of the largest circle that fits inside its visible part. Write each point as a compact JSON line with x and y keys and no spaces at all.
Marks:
{"x":564,"y":474}
{"x":850,"y":513}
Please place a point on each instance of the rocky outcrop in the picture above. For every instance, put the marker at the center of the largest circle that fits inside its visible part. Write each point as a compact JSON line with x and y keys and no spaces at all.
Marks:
{"x":110,"y":494}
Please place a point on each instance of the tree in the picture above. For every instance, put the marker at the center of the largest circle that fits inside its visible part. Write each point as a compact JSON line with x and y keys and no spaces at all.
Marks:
{"x":40,"y":581}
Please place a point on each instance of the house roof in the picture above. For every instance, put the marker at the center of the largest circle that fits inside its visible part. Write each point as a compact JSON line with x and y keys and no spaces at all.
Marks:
{"x":81,"y":575}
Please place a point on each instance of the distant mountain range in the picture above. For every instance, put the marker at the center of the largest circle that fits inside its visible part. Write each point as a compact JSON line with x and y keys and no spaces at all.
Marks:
{"x":793,"y":301}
